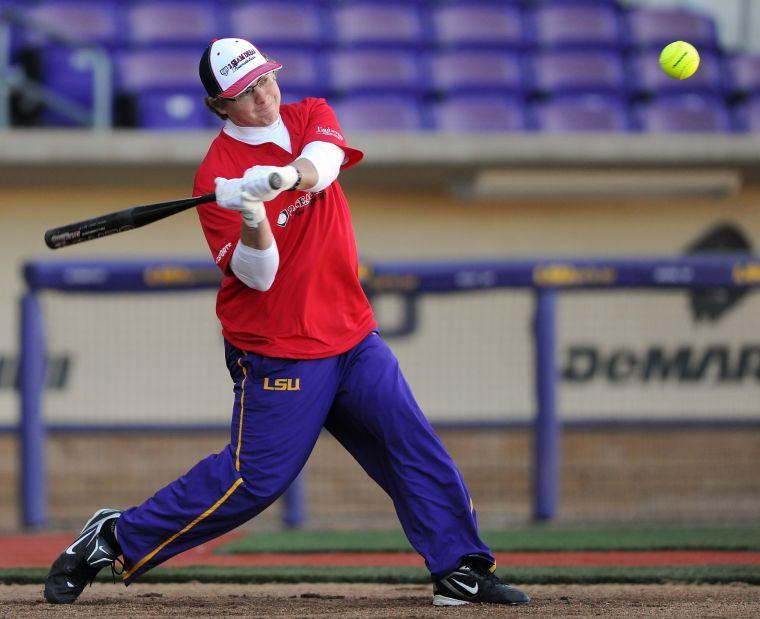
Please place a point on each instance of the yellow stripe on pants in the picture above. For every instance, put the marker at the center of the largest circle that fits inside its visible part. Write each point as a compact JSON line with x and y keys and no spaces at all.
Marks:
{"x":203,"y":516}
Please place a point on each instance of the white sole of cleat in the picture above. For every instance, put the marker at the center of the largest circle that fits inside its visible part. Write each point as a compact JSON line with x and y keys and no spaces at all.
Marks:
{"x":442,"y":600}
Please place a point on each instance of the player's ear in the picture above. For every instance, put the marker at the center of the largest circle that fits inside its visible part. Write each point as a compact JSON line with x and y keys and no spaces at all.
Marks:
{"x":217,"y":106}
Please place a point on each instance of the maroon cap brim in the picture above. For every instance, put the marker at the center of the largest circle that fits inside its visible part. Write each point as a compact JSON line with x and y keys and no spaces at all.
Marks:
{"x":245,"y":81}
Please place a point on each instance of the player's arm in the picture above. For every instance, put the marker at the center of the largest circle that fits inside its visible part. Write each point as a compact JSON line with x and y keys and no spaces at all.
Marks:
{"x":315,"y":169}
{"x":323,"y":161}
{"x":256,"y":258}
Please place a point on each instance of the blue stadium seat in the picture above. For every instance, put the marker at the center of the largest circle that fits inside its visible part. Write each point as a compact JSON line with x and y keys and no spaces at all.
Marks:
{"x":656,"y":27}
{"x":472,"y":113}
{"x":745,"y":74}
{"x":89,"y":21}
{"x":172,"y":110}
{"x":647,"y":76}
{"x":368,"y":71}
{"x":748,"y":115}
{"x":583,"y":113}
{"x":171,"y":21}
{"x":68,"y":72}
{"x":17,"y":35}
{"x":303,"y":72}
{"x":475,"y":71}
{"x":684,"y":113}
{"x":277,"y":23}
{"x":574,"y":72}
{"x":378,"y":24}
{"x":479,"y":24}
{"x":379,"y":113}
{"x":579,"y":24}
{"x":136,"y":70}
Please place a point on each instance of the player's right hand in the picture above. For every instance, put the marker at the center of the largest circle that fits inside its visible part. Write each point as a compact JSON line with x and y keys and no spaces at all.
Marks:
{"x":256,"y":181}
{"x":231,"y":195}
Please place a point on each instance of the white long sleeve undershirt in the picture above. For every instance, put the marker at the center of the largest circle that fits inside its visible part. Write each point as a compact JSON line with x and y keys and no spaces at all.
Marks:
{"x":257,"y":268}
{"x":327,"y":159}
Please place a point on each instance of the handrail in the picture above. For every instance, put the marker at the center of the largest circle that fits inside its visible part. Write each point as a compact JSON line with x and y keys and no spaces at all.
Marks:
{"x":91,"y":56}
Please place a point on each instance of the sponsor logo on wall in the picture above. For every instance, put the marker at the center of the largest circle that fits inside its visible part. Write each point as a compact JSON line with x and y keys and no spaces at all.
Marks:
{"x":722,"y":364}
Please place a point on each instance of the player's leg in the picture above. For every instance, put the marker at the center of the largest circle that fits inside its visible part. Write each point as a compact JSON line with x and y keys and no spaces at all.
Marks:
{"x":280,"y":407}
{"x":377,"y":419}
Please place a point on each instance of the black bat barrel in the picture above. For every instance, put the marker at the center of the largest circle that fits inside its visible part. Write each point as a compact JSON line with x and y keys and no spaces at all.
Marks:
{"x":128,"y":219}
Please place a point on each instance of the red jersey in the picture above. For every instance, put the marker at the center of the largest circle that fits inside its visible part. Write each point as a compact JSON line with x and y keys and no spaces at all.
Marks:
{"x":316,"y":307}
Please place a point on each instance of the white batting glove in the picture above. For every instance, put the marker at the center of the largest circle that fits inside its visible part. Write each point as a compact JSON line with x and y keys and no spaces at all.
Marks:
{"x":231,"y":195}
{"x":256,"y":181}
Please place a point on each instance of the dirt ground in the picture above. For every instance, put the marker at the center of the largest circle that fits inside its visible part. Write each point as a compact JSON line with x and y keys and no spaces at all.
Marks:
{"x":361,"y":601}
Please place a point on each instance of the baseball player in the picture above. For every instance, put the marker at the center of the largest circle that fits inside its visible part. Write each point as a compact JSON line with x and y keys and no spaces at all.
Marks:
{"x":303,"y":351}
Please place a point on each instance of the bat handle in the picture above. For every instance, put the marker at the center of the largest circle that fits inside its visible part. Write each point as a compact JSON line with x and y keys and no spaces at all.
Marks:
{"x":275,"y":180}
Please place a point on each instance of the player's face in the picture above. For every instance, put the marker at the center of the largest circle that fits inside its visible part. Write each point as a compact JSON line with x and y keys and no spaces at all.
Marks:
{"x":258,"y":105}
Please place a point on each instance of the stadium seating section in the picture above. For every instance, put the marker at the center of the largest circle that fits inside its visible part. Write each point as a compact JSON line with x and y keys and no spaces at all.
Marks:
{"x":449,"y":65}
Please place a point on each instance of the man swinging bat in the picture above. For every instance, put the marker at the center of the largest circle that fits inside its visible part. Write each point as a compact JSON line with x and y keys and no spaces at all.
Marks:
{"x":293,"y":313}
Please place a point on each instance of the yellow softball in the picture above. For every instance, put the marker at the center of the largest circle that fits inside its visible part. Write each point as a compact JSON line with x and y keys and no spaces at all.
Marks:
{"x":679,"y":60}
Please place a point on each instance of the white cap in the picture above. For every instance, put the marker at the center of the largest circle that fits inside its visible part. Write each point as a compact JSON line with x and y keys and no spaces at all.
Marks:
{"x":229,"y":66}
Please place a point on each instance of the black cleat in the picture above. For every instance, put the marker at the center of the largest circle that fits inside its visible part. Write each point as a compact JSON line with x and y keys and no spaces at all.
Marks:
{"x":474,"y":583}
{"x":78,"y":565}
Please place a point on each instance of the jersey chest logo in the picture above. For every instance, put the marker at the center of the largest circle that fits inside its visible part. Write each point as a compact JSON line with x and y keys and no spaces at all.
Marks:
{"x":297,"y":208}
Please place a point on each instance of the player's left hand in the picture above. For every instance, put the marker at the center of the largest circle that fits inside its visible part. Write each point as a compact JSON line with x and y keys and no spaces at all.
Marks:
{"x":256,"y":181}
{"x":231,"y":195}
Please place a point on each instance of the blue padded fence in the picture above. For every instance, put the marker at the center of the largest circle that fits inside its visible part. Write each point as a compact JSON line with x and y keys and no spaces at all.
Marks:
{"x":547,"y":277}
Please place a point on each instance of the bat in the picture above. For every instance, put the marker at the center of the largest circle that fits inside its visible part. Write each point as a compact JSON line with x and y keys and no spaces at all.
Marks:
{"x":128,"y":219}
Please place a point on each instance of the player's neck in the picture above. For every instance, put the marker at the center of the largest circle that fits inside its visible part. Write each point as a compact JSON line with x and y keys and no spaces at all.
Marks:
{"x":276,"y":132}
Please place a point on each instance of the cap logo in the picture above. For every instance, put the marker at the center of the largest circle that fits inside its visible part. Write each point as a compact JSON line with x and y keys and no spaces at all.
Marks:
{"x":238,"y":62}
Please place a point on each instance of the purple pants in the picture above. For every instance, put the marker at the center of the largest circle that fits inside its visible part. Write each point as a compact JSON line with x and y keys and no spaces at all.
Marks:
{"x":281,"y":406}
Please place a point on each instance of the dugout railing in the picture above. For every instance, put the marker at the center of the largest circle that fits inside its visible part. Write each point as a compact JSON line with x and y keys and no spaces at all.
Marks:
{"x":546,"y":278}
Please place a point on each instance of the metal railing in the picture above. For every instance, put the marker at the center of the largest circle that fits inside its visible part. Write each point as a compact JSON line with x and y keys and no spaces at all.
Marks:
{"x":87,"y":56}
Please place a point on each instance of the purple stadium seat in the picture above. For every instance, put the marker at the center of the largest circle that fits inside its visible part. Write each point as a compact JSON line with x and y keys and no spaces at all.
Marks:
{"x":94,"y":22}
{"x":367,"y":71}
{"x":67,"y":71}
{"x":578,"y":72}
{"x":172,"y":110}
{"x":301,"y":74}
{"x":136,"y":70}
{"x":379,"y":113}
{"x":17,"y":42}
{"x":745,"y":73}
{"x":684,"y":113}
{"x":171,"y":22}
{"x":277,"y":23}
{"x":656,"y":27}
{"x":473,"y":113}
{"x":372,"y":23}
{"x":587,"y":24}
{"x":748,"y":115}
{"x":648,"y":76}
{"x":478,"y":70}
{"x":589,"y":113}
{"x":479,"y":24}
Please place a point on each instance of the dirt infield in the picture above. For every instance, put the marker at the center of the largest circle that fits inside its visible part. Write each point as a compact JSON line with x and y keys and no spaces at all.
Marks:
{"x":355,"y":600}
